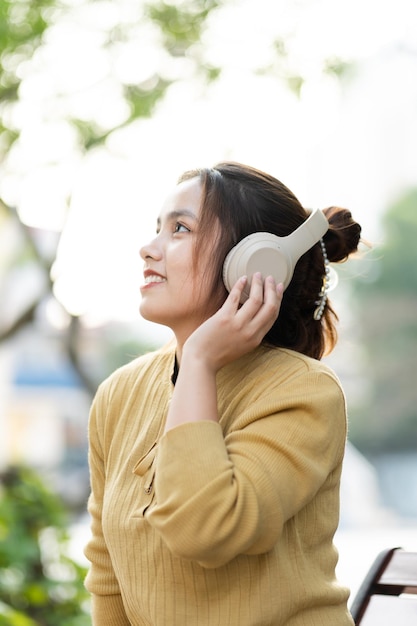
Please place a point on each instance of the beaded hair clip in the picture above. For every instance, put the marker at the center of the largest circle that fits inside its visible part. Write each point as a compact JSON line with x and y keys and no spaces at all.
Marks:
{"x":329,"y":282}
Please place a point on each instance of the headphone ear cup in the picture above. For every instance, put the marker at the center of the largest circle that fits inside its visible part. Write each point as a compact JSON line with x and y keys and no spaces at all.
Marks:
{"x":259,"y":252}
{"x":272,"y":255}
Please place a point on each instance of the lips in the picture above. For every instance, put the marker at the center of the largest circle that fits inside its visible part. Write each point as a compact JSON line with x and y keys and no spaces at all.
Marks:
{"x":151,"y":277}
{"x":154,"y":278}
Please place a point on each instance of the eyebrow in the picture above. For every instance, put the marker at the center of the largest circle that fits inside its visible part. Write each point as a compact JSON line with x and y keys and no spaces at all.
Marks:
{"x":174,"y":215}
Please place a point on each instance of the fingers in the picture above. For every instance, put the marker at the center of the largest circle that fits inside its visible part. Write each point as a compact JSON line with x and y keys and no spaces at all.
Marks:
{"x":236,"y":329}
{"x":258,"y":314}
{"x":273,"y":291}
{"x":265,"y":296}
{"x":232,"y":302}
{"x":256,"y":294}
{"x":264,"y":299}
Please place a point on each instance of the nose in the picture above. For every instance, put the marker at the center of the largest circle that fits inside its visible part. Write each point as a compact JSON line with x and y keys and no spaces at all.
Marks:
{"x":151,"y":250}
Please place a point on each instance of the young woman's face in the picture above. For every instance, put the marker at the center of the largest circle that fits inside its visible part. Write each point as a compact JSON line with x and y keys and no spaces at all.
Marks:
{"x":173,"y":293}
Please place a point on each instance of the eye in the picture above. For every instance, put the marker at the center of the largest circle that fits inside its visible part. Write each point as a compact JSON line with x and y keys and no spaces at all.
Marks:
{"x":180,"y":228}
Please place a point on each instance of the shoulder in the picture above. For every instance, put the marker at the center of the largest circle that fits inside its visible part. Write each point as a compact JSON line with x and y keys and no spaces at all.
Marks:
{"x":309,"y":387}
{"x":275,"y":380}
{"x":308,"y":376}
{"x":281,"y":366}
{"x":300,"y":364}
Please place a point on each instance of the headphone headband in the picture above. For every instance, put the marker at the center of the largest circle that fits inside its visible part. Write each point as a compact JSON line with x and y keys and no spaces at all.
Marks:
{"x":308,"y":234}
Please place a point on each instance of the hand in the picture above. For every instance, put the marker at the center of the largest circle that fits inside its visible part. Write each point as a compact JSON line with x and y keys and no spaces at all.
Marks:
{"x":235,"y":330}
{"x":229,"y":334}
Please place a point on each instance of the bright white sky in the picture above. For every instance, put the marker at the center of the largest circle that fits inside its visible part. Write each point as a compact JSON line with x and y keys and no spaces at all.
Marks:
{"x":351,"y":144}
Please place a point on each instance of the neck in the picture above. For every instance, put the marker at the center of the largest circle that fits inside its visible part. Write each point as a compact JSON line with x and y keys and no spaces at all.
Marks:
{"x":181,"y":336}
{"x":178,"y":352}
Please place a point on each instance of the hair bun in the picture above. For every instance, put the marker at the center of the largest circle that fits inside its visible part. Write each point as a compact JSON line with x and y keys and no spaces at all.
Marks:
{"x":342,"y":238}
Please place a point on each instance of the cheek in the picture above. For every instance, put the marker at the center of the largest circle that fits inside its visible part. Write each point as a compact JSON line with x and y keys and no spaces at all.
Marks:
{"x":209,"y":293}
{"x":218,"y":297}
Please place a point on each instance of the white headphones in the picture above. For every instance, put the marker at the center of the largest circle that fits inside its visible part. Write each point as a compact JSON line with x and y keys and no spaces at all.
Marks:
{"x":272,"y":255}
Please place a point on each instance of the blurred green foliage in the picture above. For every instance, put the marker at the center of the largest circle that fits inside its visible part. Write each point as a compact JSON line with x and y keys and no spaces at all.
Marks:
{"x":22,"y":26}
{"x":386,"y":294}
{"x":40,"y":585}
{"x":181,"y":24}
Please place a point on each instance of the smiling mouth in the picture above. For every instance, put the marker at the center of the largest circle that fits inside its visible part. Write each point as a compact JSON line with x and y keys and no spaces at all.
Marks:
{"x":154,"y":279}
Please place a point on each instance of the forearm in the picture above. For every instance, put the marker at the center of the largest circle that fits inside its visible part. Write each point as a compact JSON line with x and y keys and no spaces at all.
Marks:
{"x":202,"y":509}
{"x":232,"y":332}
{"x":223,"y":490}
{"x":195,"y":394}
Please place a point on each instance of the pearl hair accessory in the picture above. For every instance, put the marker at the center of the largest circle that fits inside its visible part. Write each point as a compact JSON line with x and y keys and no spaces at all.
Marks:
{"x":330,"y":280}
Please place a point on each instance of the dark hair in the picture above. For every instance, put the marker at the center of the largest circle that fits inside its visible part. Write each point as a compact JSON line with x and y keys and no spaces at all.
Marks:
{"x":243,"y":200}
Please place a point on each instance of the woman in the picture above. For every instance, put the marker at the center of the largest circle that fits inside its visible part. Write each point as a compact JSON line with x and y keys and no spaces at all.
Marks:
{"x":215,"y":462}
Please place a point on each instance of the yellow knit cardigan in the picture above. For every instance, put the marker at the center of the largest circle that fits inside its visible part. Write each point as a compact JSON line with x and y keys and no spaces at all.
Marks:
{"x":218,"y":524}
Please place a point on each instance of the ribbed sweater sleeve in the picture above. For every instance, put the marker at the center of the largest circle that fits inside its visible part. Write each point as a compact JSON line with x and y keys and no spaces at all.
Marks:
{"x":218,"y":496}
{"x":101,"y":582}
{"x":108,"y":611}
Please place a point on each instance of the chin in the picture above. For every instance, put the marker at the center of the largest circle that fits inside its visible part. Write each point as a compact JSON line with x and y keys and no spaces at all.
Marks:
{"x":151,"y":315}
{"x":146,"y":314}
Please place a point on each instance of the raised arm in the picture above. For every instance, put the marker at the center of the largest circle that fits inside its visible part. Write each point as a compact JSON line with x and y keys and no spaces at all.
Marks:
{"x":221,"y":493}
{"x":229,"y":334}
{"x":228,"y":489}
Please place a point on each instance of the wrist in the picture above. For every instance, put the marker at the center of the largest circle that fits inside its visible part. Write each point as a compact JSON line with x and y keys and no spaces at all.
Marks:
{"x":194,"y":359}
